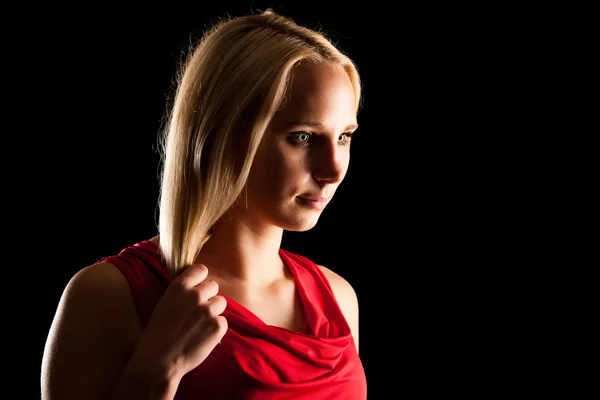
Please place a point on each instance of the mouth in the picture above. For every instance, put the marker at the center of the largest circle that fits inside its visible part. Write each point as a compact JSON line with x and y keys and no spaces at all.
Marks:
{"x":315,"y":204}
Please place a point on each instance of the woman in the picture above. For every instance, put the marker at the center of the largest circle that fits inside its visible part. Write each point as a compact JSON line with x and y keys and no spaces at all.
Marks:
{"x":257,"y":142}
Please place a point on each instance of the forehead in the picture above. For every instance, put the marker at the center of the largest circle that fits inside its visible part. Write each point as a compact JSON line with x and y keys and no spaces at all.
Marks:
{"x":319,"y":93}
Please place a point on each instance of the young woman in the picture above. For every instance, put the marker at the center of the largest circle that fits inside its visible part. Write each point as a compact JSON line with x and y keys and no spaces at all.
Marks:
{"x":257,"y":143}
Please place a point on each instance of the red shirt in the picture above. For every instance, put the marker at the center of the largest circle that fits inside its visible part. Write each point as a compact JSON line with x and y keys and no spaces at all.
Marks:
{"x":255,"y":360}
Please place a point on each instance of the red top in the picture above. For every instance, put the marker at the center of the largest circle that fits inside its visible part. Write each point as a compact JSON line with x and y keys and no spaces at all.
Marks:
{"x":255,"y":360}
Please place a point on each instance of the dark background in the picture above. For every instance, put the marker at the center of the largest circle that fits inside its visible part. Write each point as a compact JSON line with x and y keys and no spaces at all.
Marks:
{"x":421,"y":227}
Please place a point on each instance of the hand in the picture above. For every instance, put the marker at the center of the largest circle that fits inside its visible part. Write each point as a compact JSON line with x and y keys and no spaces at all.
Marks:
{"x":185,"y":326}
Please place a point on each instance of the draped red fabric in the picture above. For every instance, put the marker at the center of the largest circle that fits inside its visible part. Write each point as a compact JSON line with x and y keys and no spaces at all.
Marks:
{"x":256,"y":360}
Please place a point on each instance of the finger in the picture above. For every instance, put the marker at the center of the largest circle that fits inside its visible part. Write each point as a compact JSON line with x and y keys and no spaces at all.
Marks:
{"x":206,"y":289}
{"x":219,"y":329}
{"x":216,"y":305}
{"x":192,"y":276}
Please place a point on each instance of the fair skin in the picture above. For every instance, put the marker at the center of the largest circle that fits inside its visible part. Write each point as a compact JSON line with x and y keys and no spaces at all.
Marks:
{"x":97,"y":347}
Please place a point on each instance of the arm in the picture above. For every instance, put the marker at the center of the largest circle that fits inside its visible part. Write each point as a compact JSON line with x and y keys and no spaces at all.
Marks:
{"x":96,"y":348}
{"x":91,"y":339}
{"x":346,"y":298}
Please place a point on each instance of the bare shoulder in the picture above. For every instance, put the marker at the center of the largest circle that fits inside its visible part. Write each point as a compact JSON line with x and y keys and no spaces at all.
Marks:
{"x":343,"y":290}
{"x":99,"y":288}
{"x":98,"y":278}
{"x":94,"y":330}
{"x":346,"y":298}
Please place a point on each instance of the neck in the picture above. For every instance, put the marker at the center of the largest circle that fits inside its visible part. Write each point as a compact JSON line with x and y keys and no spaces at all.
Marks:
{"x":240,"y":251}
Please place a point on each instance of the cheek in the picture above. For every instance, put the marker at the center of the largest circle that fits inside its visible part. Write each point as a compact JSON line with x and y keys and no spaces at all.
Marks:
{"x":281,"y":171}
{"x":282,"y":161}
{"x":273,"y":170}
{"x":345,"y":161}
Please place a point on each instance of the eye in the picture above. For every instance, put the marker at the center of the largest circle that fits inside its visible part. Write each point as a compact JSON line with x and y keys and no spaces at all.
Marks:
{"x":344,"y":138}
{"x":302,"y":137}
{"x":305,"y":138}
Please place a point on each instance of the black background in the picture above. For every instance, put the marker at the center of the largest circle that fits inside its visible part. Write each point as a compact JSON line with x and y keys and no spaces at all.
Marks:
{"x":421,"y":227}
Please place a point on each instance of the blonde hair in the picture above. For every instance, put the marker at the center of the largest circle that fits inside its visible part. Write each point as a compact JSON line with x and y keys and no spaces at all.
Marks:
{"x":227,"y":92}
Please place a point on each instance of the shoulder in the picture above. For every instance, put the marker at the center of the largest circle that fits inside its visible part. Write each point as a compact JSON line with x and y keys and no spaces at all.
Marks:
{"x":94,"y":330}
{"x":101,"y":282}
{"x":100,"y":290}
{"x":346,"y":298}
{"x":342,"y":289}
{"x":96,"y":295}
{"x":102,"y":272}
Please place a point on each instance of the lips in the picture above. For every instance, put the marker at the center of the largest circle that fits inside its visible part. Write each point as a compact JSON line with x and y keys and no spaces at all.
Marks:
{"x":317,"y":203}
{"x":316,"y":197}
{"x":319,"y":198}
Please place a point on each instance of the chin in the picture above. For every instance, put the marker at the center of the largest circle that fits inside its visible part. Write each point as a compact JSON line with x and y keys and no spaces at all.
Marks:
{"x":301,"y":226}
{"x":303,"y":229}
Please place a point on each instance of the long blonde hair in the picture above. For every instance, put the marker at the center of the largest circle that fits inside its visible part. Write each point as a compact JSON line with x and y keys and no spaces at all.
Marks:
{"x":227,"y":92}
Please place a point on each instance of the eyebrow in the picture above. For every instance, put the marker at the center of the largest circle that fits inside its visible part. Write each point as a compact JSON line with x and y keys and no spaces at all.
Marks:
{"x":316,"y":125}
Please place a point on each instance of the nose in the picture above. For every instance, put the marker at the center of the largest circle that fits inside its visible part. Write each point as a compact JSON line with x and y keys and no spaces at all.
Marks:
{"x":330,"y":162}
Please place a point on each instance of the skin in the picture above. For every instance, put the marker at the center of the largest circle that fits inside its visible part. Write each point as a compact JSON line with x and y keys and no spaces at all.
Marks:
{"x":240,"y":261}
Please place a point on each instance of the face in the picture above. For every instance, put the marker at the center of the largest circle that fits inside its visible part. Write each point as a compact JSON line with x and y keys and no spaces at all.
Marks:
{"x":305,"y":152}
